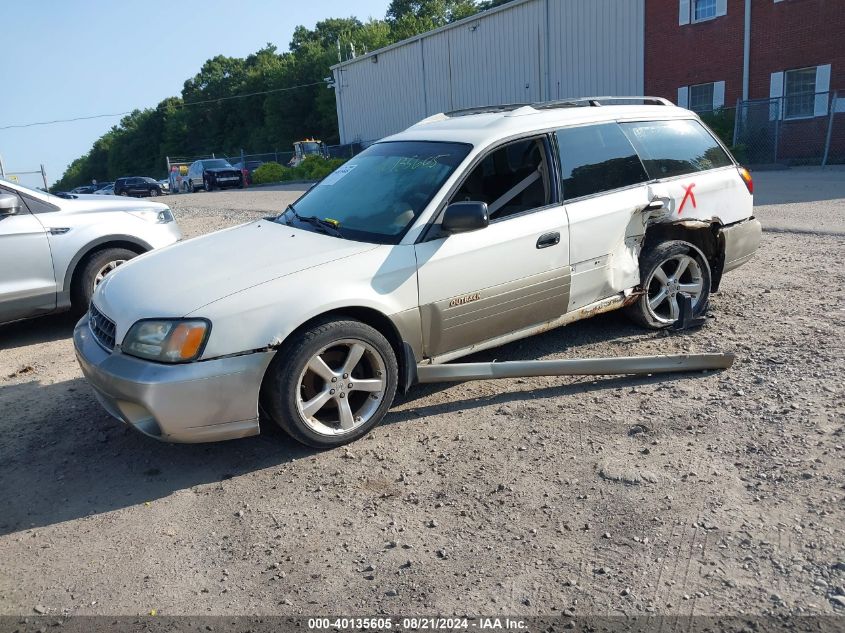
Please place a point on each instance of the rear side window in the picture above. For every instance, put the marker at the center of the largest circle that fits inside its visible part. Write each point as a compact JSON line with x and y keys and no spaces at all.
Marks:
{"x":597,"y":158}
{"x":675,"y":148}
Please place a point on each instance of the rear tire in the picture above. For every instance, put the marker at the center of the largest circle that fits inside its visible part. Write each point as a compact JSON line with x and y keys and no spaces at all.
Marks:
{"x":658,"y":306}
{"x":91,"y":272}
{"x":332,"y":383}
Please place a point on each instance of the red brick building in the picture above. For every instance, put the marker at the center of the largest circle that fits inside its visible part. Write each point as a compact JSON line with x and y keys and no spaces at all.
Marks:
{"x":707,"y":54}
{"x":795,"y":46}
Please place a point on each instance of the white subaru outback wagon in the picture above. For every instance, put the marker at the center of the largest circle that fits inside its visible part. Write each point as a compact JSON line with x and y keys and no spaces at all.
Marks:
{"x":463,"y":232}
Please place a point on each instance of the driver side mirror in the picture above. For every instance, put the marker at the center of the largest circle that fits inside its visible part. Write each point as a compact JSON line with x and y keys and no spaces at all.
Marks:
{"x":461,"y":217}
{"x":9,"y":204}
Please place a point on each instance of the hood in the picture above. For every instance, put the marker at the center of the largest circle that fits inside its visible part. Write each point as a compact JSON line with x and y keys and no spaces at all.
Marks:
{"x":92,"y":203}
{"x":222,"y":170}
{"x":180,"y":279}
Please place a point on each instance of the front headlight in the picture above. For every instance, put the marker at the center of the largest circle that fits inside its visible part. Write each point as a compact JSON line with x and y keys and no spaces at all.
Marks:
{"x":167,"y":340}
{"x":151,"y":215}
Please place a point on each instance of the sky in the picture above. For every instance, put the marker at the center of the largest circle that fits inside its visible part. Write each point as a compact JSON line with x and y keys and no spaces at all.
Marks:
{"x":72,"y":58}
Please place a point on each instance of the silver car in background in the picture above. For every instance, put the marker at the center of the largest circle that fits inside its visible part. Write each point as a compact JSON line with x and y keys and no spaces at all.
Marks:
{"x":55,"y":251}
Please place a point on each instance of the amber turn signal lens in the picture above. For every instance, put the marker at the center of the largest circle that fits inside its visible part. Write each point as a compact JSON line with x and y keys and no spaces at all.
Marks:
{"x":185,"y":341}
{"x":746,"y":178}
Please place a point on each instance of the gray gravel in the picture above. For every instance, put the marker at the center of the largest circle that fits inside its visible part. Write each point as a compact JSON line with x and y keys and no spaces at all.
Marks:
{"x":717,"y":493}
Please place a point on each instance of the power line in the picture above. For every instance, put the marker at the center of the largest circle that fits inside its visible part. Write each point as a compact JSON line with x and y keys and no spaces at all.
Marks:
{"x":183,"y":105}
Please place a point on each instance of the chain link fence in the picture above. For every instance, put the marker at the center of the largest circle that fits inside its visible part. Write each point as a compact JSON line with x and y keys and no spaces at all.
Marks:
{"x":806,"y":129}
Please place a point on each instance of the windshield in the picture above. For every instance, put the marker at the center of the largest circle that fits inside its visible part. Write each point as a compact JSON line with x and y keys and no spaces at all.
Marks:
{"x":376,"y":196}
{"x":311,"y":148}
{"x":217,"y":163}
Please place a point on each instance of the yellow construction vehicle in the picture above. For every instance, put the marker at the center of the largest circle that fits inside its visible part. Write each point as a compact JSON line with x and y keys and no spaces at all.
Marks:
{"x":306,"y":148}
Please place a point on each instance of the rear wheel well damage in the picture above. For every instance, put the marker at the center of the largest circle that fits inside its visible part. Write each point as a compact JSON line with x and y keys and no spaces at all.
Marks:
{"x":405,"y":356}
{"x":705,"y":236}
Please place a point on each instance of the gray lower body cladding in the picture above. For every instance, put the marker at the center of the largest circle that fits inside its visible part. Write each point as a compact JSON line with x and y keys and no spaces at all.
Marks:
{"x":455,"y":323}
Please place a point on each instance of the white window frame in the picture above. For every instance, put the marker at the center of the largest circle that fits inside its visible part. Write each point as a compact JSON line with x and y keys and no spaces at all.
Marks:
{"x":685,"y":92}
{"x":694,"y":20}
{"x":710,"y":107}
{"x":777,"y":89}
{"x":686,"y":12}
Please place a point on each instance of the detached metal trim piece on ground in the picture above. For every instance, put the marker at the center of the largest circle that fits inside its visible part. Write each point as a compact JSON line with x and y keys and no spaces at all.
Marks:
{"x":631,"y":365}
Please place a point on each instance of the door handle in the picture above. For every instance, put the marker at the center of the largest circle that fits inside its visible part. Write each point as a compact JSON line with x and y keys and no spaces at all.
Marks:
{"x":548,"y":239}
{"x":654,"y":205}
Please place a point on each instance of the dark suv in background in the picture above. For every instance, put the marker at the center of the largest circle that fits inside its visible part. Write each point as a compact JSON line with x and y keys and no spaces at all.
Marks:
{"x":137,"y":186}
{"x":212,"y":173}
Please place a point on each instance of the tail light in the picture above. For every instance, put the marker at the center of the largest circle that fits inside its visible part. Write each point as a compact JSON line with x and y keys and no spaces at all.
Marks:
{"x":746,"y":178}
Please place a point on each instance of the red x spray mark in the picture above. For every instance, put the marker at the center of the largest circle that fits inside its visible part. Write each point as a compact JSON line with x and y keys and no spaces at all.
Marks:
{"x":688,"y":195}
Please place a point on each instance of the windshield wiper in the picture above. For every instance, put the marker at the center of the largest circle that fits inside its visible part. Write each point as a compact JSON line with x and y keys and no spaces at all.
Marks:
{"x":327,"y":226}
{"x":323,"y":224}
{"x":292,"y":210}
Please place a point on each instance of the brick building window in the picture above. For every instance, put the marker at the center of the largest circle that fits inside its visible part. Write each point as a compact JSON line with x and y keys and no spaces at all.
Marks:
{"x":799,"y":93}
{"x":701,"y":98}
{"x":692,"y":11}
{"x":703,"y":10}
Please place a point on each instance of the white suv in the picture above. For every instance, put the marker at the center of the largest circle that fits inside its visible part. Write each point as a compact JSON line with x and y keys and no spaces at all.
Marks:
{"x":54,"y":251}
{"x":466,"y":231}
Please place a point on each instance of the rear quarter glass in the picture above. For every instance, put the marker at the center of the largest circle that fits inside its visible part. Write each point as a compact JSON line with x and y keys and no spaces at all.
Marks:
{"x":675,"y":148}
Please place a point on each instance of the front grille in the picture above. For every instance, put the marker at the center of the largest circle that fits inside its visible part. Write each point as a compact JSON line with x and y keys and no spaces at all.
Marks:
{"x":102,"y":328}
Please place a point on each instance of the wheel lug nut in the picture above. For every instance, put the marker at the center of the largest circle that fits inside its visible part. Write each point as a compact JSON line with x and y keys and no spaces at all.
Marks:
{"x":345,"y":376}
{"x":334,"y":379}
{"x":342,"y":395}
{"x":331,"y":393}
{"x":350,"y":385}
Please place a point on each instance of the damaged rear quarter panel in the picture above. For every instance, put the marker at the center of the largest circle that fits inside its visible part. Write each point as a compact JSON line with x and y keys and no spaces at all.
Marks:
{"x":718,"y":195}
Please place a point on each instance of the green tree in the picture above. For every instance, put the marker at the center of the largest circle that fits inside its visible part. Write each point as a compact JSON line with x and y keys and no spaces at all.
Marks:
{"x":288,"y":97}
{"x":411,"y":17}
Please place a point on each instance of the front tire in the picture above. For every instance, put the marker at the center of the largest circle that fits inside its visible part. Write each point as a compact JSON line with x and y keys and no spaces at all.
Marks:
{"x":95,"y":268}
{"x":332,"y":383}
{"x":667,"y":270}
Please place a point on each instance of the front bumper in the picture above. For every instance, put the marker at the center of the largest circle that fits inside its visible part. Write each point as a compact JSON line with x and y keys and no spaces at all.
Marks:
{"x":205,"y":401}
{"x":741,"y":241}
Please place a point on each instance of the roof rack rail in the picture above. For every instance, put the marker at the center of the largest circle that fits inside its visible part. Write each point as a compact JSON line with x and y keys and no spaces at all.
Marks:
{"x":547,"y":105}
{"x":600,"y":101}
{"x":506,"y":107}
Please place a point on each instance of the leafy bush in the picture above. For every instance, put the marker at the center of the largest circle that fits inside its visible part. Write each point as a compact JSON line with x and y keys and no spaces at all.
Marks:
{"x":268,"y":172}
{"x":312,"y":168}
{"x":721,"y":121}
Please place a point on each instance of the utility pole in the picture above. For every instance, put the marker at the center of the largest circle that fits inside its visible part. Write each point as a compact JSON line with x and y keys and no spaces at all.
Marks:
{"x":2,"y":167}
{"x":44,"y":177}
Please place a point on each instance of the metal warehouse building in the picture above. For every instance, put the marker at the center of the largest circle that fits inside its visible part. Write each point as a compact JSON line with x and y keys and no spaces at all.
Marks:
{"x":523,"y":51}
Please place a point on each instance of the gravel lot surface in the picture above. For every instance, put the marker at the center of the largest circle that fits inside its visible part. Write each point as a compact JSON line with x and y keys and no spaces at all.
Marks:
{"x":714,"y":493}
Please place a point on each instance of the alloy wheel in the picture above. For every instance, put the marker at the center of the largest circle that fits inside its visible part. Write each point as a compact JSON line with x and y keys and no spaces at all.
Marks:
{"x":680,"y":274}
{"x":105,"y":270}
{"x":341,"y":387}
